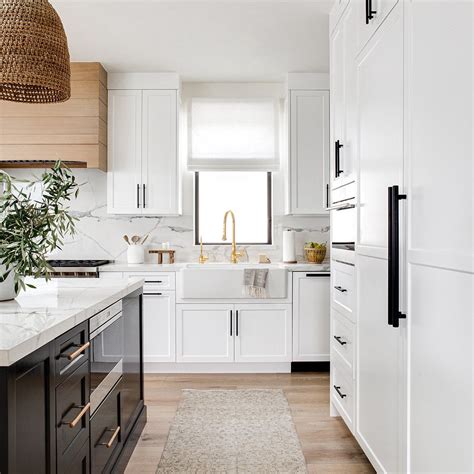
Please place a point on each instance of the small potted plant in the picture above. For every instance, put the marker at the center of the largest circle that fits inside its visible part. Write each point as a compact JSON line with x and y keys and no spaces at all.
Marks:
{"x":32,"y":228}
{"x":315,"y":252}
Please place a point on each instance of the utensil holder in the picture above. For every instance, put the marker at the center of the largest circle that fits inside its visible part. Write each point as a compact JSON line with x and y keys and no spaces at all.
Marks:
{"x":135,"y":254}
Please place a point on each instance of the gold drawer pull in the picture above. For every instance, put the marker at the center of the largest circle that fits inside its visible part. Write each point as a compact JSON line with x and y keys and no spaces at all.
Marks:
{"x":76,"y":420}
{"x":112,"y":439}
{"x":77,"y":352}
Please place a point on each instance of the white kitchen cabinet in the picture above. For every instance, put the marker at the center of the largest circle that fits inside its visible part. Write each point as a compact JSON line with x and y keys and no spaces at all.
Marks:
{"x":262,"y":332}
{"x":311,"y":317}
{"x":380,"y":401}
{"x":203,"y":333}
{"x":343,"y":51}
{"x":143,"y":171}
{"x":308,"y":160}
{"x":440,"y":254}
{"x":159,"y":327}
{"x":124,"y":151}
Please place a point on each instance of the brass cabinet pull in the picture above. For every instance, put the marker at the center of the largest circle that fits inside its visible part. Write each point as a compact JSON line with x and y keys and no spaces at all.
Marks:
{"x":77,"y":352}
{"x":76,"y":420}
{"x":112,"y":439}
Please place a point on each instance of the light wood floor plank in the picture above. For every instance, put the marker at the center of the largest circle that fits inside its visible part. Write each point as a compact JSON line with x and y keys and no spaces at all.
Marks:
{"x":327,"y":444}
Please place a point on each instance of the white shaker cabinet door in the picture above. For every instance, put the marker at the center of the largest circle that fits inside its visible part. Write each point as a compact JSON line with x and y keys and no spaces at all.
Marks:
{"x":262,"y":333}
{"x":159,"y":327}
{"x":380,"y":84}
{"x":309,"y":152}
{"x":311,"y":317}
{"x":203,"y":333}
{"x":160,"y":177}
{"x":379,"y":389}
{"x":124,"y":152}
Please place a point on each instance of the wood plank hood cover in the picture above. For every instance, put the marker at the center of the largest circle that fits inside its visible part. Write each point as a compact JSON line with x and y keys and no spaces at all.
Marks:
{"x":75,"y":131}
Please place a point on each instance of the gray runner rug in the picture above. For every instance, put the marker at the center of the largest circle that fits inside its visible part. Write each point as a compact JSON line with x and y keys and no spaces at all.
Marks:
{"x":229,"y":431}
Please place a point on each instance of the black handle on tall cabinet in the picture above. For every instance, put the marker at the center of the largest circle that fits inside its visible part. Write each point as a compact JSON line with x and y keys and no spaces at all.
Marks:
{"x":369,"y":13}
{"x":337,"y":147}
{"x":230,"y":314}
{"x":394,"y":313}
{"x":237,"y":322}
{"x":144,"y":195}
{"x":138,"y":196}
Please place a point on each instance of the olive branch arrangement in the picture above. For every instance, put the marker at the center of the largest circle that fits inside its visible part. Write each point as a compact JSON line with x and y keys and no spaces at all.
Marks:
{"x":32,"y":228}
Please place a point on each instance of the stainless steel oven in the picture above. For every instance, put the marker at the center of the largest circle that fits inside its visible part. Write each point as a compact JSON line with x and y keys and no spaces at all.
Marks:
{"x":107,"y":352}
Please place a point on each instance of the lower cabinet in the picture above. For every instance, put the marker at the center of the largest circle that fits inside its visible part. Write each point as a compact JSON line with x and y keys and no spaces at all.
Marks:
{"x":262,"y":333}
{"x":159,"y":327}
{"x":204,"y":333}
{"x":233,"y":333}
{"x":311,"y":317}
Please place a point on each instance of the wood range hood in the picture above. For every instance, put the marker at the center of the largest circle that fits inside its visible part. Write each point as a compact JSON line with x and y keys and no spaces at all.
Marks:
{"x":75,"y":131}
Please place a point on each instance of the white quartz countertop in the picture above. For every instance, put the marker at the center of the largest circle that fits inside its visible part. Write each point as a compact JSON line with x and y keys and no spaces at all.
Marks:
{"x":38,"y":316}
{"x":176,"y":267}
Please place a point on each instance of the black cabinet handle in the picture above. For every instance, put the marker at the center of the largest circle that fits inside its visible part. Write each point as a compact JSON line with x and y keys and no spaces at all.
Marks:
{"x":316,"y":275}
{"x":341,"y":289}
{"x":144,"y":195}
{"x":327,"y":195}
{"x":369,"y":13}
{"x":338,"y":146}
{"x":394,"y":313}
{"x":340,"y":341}
{"x":237,"y":322}
{"x":338,"y":390}
{"x":138,"y":196}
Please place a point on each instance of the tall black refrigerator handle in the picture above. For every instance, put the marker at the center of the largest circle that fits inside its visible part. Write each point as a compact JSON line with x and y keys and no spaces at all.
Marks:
{"x":394,"y":313}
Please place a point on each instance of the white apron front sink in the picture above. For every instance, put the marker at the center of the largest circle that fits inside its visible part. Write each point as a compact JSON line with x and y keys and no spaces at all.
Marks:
{"x":226,"y":281}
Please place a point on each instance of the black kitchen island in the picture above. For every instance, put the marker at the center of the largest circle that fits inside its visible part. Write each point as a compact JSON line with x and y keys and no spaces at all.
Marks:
{"x":71,"y":377}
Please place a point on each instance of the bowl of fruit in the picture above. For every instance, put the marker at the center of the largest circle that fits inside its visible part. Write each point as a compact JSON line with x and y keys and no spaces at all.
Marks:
{"x":314,"y":252}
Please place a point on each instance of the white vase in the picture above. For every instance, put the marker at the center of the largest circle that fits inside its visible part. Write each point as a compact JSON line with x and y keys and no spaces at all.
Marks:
{"x":7,"y":287}
{"x":135,"y":254}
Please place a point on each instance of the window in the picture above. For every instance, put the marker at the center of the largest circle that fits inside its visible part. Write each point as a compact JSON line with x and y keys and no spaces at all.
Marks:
{"x":246,"y":193}
{"x":233,"y":134}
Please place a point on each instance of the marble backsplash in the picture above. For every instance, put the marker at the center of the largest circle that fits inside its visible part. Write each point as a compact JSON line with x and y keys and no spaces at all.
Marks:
{"x":99,"y":234}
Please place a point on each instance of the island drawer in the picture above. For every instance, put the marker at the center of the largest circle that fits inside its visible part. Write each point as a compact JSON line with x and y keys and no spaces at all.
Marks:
{"x":72,"y":414}
{"x":71,"y":349}
{"x":342,"y":390}
{"x":106,"y":430}
{"x":343,"y":288}
{"x":343,"y":338}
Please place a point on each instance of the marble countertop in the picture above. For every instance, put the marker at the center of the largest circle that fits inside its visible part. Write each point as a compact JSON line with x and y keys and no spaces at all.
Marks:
{"x":38,"y":316}
{"x":176,"y":267}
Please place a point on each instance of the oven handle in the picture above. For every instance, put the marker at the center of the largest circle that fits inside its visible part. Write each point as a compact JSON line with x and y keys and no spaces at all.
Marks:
{"x":105,"y":325}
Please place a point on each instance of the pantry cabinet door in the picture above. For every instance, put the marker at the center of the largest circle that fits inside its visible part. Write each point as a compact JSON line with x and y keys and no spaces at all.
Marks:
{"x":160,"y":178}
{"x":262,"y":333}
{"x":309,"y":152}
{"x":159,"y":327}
{"x":124,"y":152}
{"x":380,"y":398}
{"x":203,"y":333}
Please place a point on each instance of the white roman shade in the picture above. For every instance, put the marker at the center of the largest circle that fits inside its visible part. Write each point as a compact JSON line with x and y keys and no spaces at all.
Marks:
{"x":233,"y":134}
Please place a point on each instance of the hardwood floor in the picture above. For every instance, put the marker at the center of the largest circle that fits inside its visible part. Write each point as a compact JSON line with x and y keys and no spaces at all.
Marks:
{"x":327,"y":444}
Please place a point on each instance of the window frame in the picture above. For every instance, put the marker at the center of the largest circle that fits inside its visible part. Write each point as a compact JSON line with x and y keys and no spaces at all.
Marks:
{"x":269,"y":214}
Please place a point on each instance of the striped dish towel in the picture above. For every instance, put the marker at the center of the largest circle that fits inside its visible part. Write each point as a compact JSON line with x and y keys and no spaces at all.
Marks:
{"x":255,"y":280}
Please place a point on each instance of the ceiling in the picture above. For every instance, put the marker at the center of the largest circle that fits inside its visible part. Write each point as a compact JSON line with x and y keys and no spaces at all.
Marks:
{"x":225,"y":40}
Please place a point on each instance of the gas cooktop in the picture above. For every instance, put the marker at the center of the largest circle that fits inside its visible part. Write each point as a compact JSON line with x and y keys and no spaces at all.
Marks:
{"x":77,"y":263}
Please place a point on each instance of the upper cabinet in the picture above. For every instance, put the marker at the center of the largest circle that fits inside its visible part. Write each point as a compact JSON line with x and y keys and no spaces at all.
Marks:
{"x":343,"y":98}
{"x":143,"y":165}
{"x":307,"y":171}
{"x":74,"y":131}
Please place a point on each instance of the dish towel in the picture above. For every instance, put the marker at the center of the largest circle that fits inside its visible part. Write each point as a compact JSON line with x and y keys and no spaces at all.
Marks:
{"x":255,"y":281}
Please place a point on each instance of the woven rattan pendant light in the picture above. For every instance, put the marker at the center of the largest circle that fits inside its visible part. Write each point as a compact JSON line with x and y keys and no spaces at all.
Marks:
{"x":34,"y":66}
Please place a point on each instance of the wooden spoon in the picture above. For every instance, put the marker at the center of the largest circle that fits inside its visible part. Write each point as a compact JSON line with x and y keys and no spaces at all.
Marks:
{"x":125,"y":237}
{"x":135,"y":239}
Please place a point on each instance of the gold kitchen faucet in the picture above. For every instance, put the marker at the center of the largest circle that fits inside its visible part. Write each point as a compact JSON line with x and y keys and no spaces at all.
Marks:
{"x":234,"y":254}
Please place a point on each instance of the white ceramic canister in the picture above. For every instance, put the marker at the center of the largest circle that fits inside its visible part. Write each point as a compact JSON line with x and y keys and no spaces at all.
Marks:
{"x":7,"y":287}
{"x":135,"y":254}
